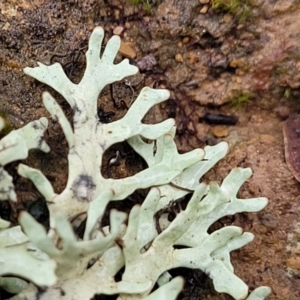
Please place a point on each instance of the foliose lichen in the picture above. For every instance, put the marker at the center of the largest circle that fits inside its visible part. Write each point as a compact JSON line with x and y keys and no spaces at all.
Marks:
{"x":58,"y":264}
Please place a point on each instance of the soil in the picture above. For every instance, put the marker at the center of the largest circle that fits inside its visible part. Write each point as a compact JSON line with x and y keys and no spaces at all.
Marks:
{"x":242,"y":63}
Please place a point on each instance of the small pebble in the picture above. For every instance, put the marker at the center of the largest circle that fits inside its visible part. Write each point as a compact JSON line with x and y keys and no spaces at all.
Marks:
{"x":127,"y":25}
{"x":147,"y":19}
{"x":227,"y":18}
{"x":118,"y":30}
{"x":216,"y":83}
{"x":237,"y":63}
{"x":219,"y":131}
{"x":204,"y":9}
{"x":179,"y":44}
{"x":256,"y":119}
{"x":127,"y":50}
{"x":256,"y":2}
{"x":117,"y":14}
{"x":269,"y":221}
{"x":193,"y":58}
{"x":240,"y":72}
{"x":283,"y":112}
{"x":185,"y":40}
{"x":238,"y":79}
{"x":6,"y":25}
{"x":178,"y":57}
{"x":234,"y":63}
{"x":13,"y":64}
{"x":247,"y":36}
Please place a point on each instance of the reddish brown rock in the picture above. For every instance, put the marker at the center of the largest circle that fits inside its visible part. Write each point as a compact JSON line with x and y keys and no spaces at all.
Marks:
{"x":291,"y":135}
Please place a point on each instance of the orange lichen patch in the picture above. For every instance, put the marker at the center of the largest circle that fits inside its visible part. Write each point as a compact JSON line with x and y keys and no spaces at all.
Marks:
{"x":291,"y":134}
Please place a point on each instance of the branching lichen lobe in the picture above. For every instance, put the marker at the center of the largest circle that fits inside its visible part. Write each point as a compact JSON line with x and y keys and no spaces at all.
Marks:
{"x":82,"y":267}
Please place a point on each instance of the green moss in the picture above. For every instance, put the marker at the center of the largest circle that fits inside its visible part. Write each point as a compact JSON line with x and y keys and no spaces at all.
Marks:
{"x":239,"y":8}
{"x":287,"y":93}
{"x":246,"y":13}
{"x":227,"y":5}
{"x":240,"y":100}
{"x":280,"y":70}
{"x":135,"y":2}
{"x":146,"y":5}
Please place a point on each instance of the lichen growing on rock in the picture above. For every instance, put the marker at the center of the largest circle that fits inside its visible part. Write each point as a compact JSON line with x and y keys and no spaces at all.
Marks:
{"x":146,"y":245}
